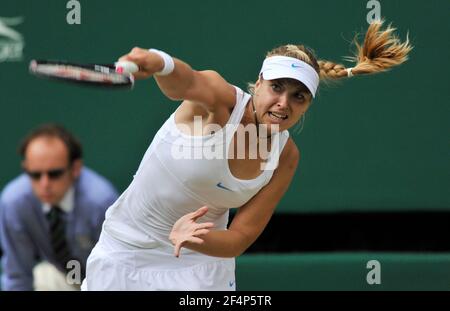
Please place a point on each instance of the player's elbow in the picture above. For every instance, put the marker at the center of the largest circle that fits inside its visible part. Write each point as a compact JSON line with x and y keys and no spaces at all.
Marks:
{"x":174,"y":94}
{"x":173,"y":97}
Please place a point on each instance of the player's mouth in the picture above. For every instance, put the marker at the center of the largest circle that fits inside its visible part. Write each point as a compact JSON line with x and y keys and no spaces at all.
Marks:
{"x":277,"y":117}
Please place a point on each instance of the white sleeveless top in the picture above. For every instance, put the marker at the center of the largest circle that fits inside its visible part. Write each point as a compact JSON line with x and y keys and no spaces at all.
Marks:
{"x":174,"y":179}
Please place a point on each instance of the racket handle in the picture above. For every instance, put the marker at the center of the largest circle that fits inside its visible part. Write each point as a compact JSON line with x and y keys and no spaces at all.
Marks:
{"x":126,"y":67}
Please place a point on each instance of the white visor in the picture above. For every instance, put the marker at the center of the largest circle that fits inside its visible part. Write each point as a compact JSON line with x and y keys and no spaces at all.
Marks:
{"x":277,"y":67}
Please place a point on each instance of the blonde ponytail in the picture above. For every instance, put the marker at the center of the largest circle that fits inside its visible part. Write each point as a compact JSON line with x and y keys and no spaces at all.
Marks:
{"x":380,"y":51}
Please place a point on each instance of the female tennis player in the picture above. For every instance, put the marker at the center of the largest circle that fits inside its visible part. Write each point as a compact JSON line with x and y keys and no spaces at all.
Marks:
{"x":168,"y":230}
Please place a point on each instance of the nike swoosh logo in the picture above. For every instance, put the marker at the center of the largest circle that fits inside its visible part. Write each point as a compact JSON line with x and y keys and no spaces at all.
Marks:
{"x":295,"y":66}
{"x":231,"y":284}
{"x":223,"y":187}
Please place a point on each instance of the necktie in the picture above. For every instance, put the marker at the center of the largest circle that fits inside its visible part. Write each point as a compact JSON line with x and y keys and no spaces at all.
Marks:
{"x":58,"y":239}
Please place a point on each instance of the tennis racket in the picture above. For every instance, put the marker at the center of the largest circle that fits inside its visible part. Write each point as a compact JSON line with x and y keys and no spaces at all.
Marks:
{"x":118,"y":75}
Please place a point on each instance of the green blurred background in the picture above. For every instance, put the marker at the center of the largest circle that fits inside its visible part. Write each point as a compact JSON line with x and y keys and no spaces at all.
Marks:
{"x":375,"y":143}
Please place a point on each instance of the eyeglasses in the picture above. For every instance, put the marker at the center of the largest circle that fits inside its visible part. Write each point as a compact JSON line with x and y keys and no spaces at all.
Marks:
{"x":52,"y":174}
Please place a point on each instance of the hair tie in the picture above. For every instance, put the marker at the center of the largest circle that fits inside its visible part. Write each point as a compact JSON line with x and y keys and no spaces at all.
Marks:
{"x":349,"y":72}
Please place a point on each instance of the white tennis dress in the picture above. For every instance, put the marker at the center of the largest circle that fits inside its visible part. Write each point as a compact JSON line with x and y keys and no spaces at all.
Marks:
{"x":173,"y":179}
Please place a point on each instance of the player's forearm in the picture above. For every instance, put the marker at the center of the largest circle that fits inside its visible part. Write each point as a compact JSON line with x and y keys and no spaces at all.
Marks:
{"x":221,"y":243}
{"x":176,"y":84}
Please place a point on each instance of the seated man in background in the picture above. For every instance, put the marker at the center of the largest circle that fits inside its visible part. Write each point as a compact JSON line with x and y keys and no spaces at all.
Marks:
{"x":52,"y":214}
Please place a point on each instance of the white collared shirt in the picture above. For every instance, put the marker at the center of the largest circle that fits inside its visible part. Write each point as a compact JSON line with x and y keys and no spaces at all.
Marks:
{"x":66,"y":204}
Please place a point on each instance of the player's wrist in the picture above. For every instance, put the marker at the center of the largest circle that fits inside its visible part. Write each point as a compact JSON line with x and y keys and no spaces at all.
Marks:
{"x":168,"y":64}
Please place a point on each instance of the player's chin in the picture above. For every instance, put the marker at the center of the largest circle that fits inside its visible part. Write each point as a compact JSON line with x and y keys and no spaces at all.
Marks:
{"x":278,"y":127}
